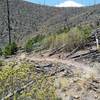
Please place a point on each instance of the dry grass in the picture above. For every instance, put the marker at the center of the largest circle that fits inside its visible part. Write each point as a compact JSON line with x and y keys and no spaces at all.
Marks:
{"x":75,"y":37}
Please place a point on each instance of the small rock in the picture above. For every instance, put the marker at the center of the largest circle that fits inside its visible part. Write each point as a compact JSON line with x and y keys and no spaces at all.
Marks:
{"x":70,"y":98}
{"x":76,"y":97}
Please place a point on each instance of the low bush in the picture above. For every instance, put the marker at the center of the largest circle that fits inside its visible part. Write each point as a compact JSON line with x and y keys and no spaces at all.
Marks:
{"x":10,"y":49}
{"x":1,"y":62}
{"x":0,"y":52}
{"x":29,"y":46}
{"x":74,"y":37}
{"x":14,"y":48}
{"x":22,"y":74}
{"x":7,"y":50}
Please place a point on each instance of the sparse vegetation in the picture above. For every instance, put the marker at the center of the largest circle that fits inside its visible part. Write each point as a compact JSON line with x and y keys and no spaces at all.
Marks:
{"x":7,"y":50}
{"x":14,"y":76}
{"x":14,"y":47}
{"x":29,"y":46}
{"x":1,"y":63}
{"x":10,"y":49}
{"x":73,"y":38}
{"x":1,"y":52}
{"x":31,"y":43}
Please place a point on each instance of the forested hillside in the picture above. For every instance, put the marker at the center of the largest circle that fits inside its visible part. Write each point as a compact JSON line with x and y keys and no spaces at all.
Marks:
{"x":28,"y":19}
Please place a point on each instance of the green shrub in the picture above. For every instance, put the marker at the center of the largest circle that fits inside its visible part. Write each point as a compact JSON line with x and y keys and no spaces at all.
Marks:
{"x":1,"y":62}
{"x":0,"y":52}
{"x":85,"y":31}
{"x":31,"y":43}
{"x":22,"y":74}
{"x":29,"y":46}
{"x":63,"y":30}
{"x":7,"y":50}
{"x":76,"y":36}
{"x":10,"y":49}
{"x":38,"y":38}
{"x":14,"y":48}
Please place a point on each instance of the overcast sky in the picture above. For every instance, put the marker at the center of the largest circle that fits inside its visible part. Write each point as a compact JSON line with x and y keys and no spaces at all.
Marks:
{"x":58,"y":2}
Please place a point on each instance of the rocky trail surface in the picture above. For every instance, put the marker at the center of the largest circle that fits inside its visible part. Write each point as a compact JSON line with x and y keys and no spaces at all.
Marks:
{"x":78,"y":81}
{"x":73,"y":80}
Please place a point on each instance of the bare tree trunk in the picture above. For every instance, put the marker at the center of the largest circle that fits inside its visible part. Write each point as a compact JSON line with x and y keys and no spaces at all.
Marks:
{"x":8,"y":18}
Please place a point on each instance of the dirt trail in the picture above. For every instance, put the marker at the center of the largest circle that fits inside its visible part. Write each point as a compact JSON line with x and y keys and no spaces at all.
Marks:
{"x":86,"y":68}
{"x":69,"y":87}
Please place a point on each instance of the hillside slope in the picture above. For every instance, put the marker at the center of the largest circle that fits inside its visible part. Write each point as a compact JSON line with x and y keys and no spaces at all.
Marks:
{"x":28,"y":19}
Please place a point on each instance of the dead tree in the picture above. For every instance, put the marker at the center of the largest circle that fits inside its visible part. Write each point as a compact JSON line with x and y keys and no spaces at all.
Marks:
{"x":97,"y":40}
{"x":8,"y":19}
